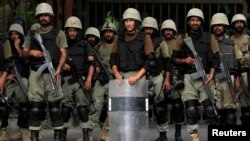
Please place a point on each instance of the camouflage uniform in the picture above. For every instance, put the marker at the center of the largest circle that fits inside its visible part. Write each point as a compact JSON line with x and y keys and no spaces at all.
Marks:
{"x":242,"y":53}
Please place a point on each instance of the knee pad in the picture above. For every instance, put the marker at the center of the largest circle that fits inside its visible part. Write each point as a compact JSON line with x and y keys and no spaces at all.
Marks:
{"x":192,"y":111}
{"x":23,"y":115}
{"x":245,"y":115}
{"x":55,"y":111}
{"x":177,"y":111}
{"x":3,"y":112}
{"x":160,"y":111}
{"x":231,"y":117}
{"x":66,"y":113}
{"x":208,"y":107}
{"x":83,"y":113}
{"x":24,"y":110}
{"x":37,"y":111}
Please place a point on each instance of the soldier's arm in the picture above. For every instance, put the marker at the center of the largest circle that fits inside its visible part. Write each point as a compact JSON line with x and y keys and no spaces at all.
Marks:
{"x":112,"y":61}
{"x":177,"y":52}
{"x":2,"y":81}
{"x":62,"y":44}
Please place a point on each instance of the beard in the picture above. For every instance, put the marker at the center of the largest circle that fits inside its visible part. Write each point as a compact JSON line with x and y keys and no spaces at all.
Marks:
{"x":108,"y":40}
{"x":44,"y":23}
{"x":239,"y":29}
{"x":92,"y":43}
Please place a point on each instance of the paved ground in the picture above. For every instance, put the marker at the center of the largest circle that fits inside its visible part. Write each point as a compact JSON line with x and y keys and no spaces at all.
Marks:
{"x":74,"y":133}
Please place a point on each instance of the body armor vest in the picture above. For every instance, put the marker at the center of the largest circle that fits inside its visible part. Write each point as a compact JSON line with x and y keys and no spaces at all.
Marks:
{"x":131,"y":54}
{"x":11,"y":54}
{"x":227,"y":49}
{"x":49,"y":41}
{"x":202,"y":47}
{"x":78,"y":53}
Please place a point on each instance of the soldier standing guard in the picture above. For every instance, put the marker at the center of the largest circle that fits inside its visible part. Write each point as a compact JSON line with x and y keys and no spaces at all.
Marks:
{"x":79,"y":66}
{"x":173,"y":76}
{"x":195,"y":91}
{"x":46,"y":87}
{"x":225,"y":92}
{"x":242,"y":54}
{"x":130,"y":57}
{"x":14,"y":79}
{"x":150,"y":27}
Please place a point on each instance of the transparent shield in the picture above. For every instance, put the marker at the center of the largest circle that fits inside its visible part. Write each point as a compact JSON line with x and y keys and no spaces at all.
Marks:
{"x":128,"y":111}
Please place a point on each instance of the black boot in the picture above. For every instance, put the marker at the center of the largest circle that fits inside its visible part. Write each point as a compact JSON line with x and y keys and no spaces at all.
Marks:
{"x":178,"y":132}
{"x":58,"y":135}
{"x":34,"y":135}
{"x":85,"y":135}
{"x":64,"y":134}
{"x":162,"y":137}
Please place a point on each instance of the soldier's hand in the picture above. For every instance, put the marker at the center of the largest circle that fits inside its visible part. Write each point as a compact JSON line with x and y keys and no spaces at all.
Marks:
{"x":118,"y":77}
{"x":57,"y":74}
{"x":1,"y":87}
{"x":167,"y":86}
{"x":132,"y":80}
{"x":189,"y":61}
{"x":209,"y":80}
{"x":66,"y":67}
{"x":12,"y":77}
{"x":97,"y":70}
{"x":17,"y":42}
{"x":87,"y":85}
{"x":36,"y":53}
{"x":237,"y":85}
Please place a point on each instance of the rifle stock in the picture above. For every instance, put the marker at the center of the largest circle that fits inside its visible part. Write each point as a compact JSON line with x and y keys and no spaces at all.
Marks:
{"x":200,"y":72}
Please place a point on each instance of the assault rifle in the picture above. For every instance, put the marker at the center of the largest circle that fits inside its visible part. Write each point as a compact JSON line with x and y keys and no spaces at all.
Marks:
{"x":48,"y":64}
{"x":200,"y":73}
{"x":19,"y":78}
{"x":78,"y":76}
{"x":225,"y":74}
{"x":105,"y":75}
{"x":5,"y":102}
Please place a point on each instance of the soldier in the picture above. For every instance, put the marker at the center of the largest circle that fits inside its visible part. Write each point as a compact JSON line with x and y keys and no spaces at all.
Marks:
{"x":13,"y":89}
{"x":194,"y":90}
{"x":92,"y":35}
{"x":131,"y":57}
{"x":100,"y":91}
{"x":242,"y":53}
{"x":224,"y":94}
{"x":42,"y":88}
{"x":4,"y":112}
{"x":173,"y":76}
{"x":150,"y":27}
{"x":79,"y":66}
